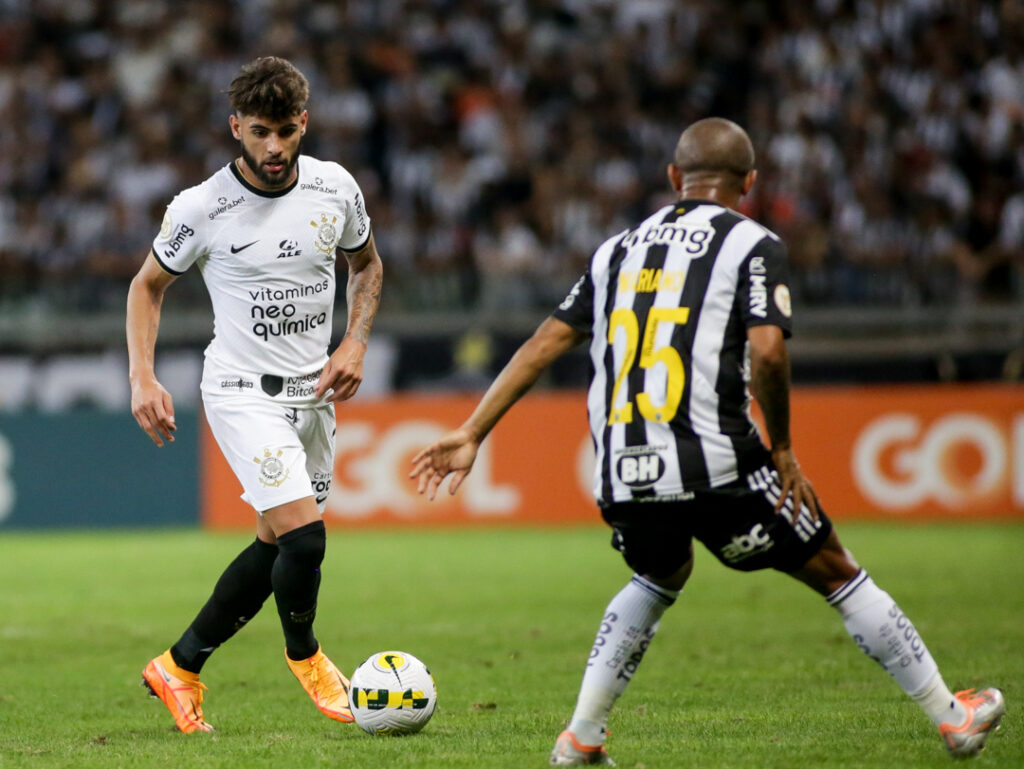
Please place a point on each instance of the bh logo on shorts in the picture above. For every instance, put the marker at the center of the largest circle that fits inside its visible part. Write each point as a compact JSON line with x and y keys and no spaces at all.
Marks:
{"x":746,"y":545}
{"x":272,"y":470}
{"x":640,"y":470}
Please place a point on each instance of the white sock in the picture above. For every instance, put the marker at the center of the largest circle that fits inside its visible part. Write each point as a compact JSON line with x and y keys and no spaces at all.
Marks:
{"x":627,"y":627}
{"x":882,"y":631}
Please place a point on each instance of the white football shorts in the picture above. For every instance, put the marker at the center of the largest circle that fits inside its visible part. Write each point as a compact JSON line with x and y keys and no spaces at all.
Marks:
{"x":279,"y":453}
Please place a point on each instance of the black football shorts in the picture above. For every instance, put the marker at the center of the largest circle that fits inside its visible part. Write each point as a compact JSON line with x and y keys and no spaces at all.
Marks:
{"x":737,"y":523}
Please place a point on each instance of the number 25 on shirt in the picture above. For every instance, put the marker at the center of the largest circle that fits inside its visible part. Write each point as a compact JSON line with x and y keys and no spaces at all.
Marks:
{"x":625,"y":319}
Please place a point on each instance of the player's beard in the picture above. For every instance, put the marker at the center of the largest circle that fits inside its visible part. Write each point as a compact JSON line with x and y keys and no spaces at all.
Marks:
{"x":272,"y":179}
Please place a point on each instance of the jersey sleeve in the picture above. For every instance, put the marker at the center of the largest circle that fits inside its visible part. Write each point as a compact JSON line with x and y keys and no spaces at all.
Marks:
{"x":179,"y":242}
{"x":357,"y":222}
{"x":577,"y":309}
{"x":763,"y":287}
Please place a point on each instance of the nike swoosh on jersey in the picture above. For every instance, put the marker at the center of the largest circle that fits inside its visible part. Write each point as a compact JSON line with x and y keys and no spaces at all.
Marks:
{"x":235,"y":249}
{"x":321,"y":500}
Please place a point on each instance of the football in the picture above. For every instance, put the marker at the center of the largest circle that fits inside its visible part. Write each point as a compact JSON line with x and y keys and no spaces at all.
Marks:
{"x":392,"y":693}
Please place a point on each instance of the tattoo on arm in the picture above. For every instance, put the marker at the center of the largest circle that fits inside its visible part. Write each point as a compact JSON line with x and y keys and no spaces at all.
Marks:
{"x":365,"y":277}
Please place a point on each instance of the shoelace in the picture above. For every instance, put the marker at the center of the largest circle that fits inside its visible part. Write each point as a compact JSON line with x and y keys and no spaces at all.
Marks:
{"x":198,"y":687}
{"x":313,"y":673}
{"x":321,"y":679}
{"x":970,"y":700}
{"x":969,"y":697}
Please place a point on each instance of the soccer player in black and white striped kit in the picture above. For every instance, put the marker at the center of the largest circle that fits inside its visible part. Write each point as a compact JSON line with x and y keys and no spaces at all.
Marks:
{"x":686,"y":314}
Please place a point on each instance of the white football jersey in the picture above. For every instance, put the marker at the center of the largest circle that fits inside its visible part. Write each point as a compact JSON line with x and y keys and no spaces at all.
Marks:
{"x":268,"y":261}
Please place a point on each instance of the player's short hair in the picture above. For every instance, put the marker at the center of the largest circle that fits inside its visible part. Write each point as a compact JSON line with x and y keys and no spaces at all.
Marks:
{"x":715,"y":148}
{"x":269,"y":87}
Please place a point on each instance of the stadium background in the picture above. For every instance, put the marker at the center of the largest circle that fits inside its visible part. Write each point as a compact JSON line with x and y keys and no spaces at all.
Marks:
{"x":497,"y":143}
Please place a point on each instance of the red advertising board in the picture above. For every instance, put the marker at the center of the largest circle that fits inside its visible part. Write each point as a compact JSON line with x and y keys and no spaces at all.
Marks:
{"x":952,"y":452}
{"x":911,"y":452}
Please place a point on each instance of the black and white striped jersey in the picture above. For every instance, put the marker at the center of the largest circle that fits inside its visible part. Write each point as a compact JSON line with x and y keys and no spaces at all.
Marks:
{"x":667,"y":305}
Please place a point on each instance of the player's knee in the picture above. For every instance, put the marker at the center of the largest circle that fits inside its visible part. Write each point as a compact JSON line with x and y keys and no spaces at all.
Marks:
{"x":306,"y":544}
{"x":676,"y":579}
{"x":828,"y":569}
{"x":671,"y":582}
{"x":839,"y":561}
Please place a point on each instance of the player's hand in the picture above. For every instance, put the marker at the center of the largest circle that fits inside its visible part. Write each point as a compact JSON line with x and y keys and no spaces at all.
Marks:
{"x":454,"y":453}
{"x":153,"y":409}
{"x":794,"y":484}
{"x":343,"y":371}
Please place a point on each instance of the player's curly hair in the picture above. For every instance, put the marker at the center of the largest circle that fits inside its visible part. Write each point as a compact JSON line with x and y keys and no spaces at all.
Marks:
{"x":269,"y":87}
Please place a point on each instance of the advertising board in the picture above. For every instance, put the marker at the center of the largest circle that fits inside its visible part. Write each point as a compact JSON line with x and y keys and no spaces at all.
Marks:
{"x":921,"y":452}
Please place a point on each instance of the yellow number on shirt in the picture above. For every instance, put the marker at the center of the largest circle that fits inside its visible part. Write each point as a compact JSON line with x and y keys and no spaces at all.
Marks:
{"x":675,"y":373}
{"x":626,"y":320}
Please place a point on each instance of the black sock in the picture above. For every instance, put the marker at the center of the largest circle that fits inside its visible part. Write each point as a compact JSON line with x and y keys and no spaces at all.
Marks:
{"x":296,"y":578}
{"x":237,"y":597}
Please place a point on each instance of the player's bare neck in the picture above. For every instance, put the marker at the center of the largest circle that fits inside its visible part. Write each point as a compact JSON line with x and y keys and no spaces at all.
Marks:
{"x":711,"y":192}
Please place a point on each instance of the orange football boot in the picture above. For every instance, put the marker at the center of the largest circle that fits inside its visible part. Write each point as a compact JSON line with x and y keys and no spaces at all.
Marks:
{"x":179,"y":690}
{"x":984,"y":712}
{"x":324,"y":684}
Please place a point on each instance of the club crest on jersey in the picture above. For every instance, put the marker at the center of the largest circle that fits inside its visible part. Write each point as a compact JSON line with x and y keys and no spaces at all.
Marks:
{"x":327,"y":235}
{"x":783,"y":300}
{"x":272,"y":470}
{"x":640,"y":470}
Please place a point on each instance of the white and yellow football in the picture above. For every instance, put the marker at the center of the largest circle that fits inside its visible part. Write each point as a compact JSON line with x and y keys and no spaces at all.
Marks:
{"x":392,"y":693}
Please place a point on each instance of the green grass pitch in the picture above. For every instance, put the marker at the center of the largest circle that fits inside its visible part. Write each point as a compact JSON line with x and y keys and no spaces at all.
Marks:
{"x":746,"y":671}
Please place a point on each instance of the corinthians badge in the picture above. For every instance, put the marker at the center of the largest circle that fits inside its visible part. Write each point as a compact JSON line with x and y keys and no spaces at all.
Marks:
{"x":272,"y":470}
{"x":166,"y":226}
{"x":327,"y":235}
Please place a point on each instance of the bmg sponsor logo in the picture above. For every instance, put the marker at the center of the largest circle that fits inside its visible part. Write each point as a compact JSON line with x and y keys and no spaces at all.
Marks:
{"x":357,"y":204}
{"x":959,"y":461}
{"x":176,"y":240}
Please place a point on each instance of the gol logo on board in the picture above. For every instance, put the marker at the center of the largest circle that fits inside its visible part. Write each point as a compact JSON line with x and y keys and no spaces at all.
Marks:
{"x":958,"y":460}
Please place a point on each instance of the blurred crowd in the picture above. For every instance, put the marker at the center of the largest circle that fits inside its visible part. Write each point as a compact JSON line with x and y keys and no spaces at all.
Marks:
{"x":498,"y":142}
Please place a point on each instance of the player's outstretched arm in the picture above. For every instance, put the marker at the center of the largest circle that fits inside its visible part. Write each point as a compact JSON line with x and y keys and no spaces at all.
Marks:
{"x":343,"y":371}
{"x":456,"y":451}
{"x":152,"y":405}
{"x":769,"y":381}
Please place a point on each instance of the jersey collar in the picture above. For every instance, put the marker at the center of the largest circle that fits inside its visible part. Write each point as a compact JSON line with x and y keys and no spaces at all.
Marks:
{"x":256,"y":190}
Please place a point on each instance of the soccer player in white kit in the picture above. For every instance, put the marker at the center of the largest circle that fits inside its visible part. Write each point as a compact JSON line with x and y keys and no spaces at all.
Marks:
{"x":265,"y":232}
